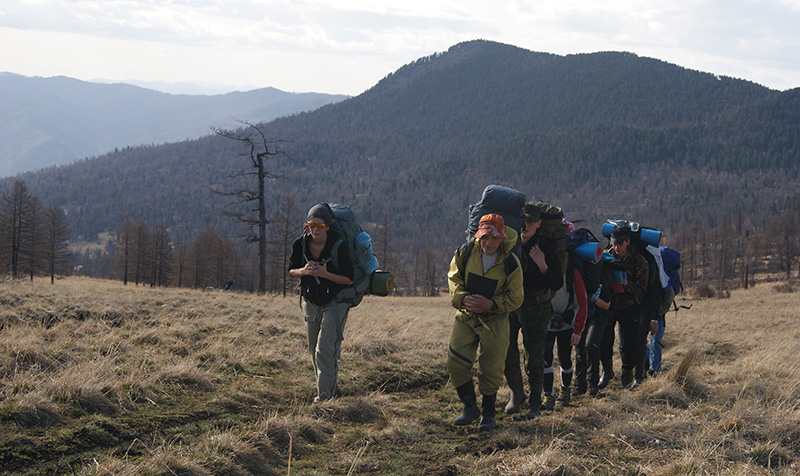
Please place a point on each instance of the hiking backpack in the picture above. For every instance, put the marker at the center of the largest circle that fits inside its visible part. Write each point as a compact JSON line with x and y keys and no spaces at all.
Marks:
{"x":647,"y":241}
{"x":672,"y":265}
{"x":555,"y":228}
{"x":367,"y":279}
{"x":583,"y":253}
{"x":503,"y":201}
{"x":500,"y":200}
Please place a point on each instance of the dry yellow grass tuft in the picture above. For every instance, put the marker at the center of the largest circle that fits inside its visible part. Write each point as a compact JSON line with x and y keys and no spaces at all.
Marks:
{"x":101,"y":378}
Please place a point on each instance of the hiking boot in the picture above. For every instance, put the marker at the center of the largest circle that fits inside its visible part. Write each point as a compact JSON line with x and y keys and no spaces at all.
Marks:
{"x":470,"y":411}
{"x":593,"y":391}
{"x":548,"y":403}
{"x":579,"y":391}
{"x":514,"y":380}
{"x":487,"y":413}
{"x":563,"y":396}
{"x":533,"y":412}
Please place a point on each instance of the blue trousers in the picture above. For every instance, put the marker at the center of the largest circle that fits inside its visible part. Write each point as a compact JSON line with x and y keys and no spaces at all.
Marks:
{"x":654,"y":353}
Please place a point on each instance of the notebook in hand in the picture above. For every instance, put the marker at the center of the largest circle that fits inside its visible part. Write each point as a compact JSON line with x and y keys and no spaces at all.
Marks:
{"x":477,"y":284}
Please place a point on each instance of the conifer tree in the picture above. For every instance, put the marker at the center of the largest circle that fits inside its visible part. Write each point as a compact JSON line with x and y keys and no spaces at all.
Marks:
{"x":15,"y":208}
{"x":56,"y":241}
{"x":125,"y":248}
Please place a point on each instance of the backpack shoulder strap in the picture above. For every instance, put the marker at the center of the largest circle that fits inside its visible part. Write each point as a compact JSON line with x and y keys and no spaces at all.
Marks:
{"x":335,"y":253}
{"x":462,"y":255}
{"x":511,"y":263}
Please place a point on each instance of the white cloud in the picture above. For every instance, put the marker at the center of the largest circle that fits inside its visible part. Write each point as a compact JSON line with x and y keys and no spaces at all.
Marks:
{"x":347,"y":46}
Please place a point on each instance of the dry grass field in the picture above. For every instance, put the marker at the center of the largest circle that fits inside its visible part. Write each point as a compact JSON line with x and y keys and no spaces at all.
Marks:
{"x":97,"y":378}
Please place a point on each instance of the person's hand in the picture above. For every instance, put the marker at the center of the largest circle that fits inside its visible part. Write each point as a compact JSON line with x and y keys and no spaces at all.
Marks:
{"x":312,"y":268}
{"x":537,"y":255}
{"x":653,"y":327}
{"x":476,"y":303}
{"x":322,"y":270}
{"x":575,"y":339}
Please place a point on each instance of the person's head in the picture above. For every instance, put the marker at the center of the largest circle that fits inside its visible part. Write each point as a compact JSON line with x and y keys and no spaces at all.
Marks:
{"x":491,"y":233}
{"x":319,"y":221}
{"x":532,"y":221}
{"x":620,"y":240}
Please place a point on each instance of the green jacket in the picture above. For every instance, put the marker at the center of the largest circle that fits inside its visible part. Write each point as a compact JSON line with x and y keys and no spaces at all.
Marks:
{"x":508,"y":294}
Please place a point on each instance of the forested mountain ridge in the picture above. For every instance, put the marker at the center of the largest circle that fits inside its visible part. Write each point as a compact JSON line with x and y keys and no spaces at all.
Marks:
{"x":605,"y":135}
{"x":50,"y":121}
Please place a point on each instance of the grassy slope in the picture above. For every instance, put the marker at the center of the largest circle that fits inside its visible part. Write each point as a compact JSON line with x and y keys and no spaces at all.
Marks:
{"x":99,"y":378}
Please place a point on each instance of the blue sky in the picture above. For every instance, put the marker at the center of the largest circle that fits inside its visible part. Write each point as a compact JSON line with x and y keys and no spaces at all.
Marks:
{"x":346,"y":46}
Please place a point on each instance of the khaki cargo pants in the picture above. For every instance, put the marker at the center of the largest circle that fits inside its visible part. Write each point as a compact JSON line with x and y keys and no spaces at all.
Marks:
{"x":325,"y":326}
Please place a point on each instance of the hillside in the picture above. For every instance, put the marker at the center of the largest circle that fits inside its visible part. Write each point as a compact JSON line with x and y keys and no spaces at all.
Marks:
{"x":604,"y":135}
{"x":101,"y":378}
{"x":53,"y":121}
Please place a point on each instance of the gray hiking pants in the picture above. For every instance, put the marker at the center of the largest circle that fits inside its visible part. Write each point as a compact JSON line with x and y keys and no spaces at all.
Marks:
{"x":325,"y":326}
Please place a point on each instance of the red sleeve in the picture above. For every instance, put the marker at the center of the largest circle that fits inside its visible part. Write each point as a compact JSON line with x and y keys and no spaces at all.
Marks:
{"x":580,"y":297}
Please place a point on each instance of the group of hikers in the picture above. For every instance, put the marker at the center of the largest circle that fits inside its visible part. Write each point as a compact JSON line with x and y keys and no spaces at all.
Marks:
{"x":502,"y":284}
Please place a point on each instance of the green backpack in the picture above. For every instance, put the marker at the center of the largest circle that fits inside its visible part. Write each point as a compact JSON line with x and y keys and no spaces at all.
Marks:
{"x":555,"y":229}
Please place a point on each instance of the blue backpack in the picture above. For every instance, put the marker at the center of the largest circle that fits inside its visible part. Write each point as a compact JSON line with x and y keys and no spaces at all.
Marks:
{"x":672,"y":266}
{"x":366,"y":276}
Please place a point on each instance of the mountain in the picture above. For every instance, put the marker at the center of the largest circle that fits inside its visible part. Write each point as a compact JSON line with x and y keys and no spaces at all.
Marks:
{"x":52,"y":121}
{"x":604,"y":135}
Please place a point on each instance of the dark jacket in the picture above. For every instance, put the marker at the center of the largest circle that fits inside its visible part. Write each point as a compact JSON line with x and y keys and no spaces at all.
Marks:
{"x":637,"y":270}
{"x":534,"y":282}
{"x":324,"y":291}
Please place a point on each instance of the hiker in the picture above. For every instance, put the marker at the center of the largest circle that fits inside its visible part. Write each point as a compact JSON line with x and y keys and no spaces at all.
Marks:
{"x":485,"y":281}
{"x":321,"y":281}
{"x":564,"y":332}
{"x":541,"y":276}
{"x":627,"y":307}
{"x":587,"y":352}
{"x":657,"y":328}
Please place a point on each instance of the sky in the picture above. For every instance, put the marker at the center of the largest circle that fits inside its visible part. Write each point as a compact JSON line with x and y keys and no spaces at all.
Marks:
{"x":347,"y":46}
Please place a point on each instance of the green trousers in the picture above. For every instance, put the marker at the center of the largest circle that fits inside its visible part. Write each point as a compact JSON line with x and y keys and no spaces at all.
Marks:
{"x":471,"y":336}
{"x":534,"y":320}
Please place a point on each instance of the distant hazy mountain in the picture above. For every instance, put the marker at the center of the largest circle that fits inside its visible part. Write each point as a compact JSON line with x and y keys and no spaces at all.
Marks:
{"x":52,"y":121}
{"x":604,"y":135}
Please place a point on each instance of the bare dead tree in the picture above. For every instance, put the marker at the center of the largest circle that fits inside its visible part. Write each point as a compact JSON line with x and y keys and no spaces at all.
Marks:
{"x":259,"y":150}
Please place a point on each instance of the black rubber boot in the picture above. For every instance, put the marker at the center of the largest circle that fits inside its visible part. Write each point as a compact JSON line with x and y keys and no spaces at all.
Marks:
{"x":514,"y":381}
{"x":626,"y":378}
{"x":535,"y":400}
{"x":580,"y":386}
{"x":608,"y":374}
{"x":470,"y":411}
{"x":487,"y":413}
